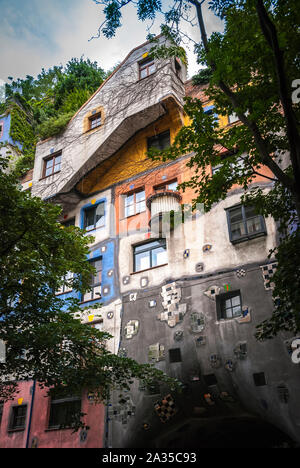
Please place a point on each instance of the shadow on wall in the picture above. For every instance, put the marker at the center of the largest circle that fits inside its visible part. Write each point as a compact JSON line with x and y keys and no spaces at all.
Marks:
{"x":240,"y":432}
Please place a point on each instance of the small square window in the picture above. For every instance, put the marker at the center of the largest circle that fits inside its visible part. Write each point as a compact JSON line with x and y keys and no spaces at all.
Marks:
{"x":146,"y":68}
{"x":18,"y":417}
{"x":160,"y":141}
{"x":52,"y":165}
{"x":210,"y":379}
{"x":172,"y":186}
{"x":175,"y":355}
{"x":244,"y":223}
{"x":95,"y":121}
{"x":229,"y":305}
{"x":259,"y":379}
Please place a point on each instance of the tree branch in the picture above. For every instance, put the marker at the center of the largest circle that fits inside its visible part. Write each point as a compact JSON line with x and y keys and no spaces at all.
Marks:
{"x":269,"y":31}
{"x":259,"y":141}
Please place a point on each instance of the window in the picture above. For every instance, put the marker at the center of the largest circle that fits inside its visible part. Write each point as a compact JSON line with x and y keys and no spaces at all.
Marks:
{"x":64,"y":411}
{"x":259,"y":379}
{"x":175,"y":355}
{"x":52,"y":165}
{"x":229,"y":305}
{"x":209,"y":110}
{"x":236,"y":165}
{"x":177,"y":67}
{"x":167,"y":186}
{"x":65,"y":288}
{"x":150,"y":254}
{"x":18,"y":417}
{"x":69,"y":222}
{"x":146,"y":68}
{"x":210,"y":379}
{"x":134,"y":203}
{"x":160,"y":141}
{"x":95,"y":282}
{"x":95,"y":121}
{"x":94,"y":217}
{"x":244,"y":223}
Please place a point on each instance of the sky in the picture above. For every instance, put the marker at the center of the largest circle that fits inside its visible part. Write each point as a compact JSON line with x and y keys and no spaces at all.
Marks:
{"x":36,"y":34}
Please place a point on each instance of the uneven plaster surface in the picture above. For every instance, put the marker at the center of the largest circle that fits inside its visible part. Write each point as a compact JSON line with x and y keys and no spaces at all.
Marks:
{"x":230,"y":352}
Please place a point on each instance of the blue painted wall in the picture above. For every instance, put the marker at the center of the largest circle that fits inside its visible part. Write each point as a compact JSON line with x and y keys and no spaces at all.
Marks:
{"x":109,"y":282}
{"x":6,"y":138}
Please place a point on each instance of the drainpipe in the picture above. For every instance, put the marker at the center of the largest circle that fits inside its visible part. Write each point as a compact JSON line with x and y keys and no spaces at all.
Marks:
{"x":30,"y":415}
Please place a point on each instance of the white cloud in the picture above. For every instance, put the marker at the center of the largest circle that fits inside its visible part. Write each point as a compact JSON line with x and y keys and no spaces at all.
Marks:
{"x":56,"y":33}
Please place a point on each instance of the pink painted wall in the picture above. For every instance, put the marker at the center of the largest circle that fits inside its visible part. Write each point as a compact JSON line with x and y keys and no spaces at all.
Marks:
{"x":53,"y":438}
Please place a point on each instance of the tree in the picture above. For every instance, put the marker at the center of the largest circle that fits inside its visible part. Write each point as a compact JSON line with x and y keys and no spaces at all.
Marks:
{"x":45,"y":339}
{"x":47,"y":103}
{"x":251,"y":69}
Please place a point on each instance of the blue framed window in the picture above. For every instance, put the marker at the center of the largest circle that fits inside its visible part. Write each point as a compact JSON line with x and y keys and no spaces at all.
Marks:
{"x":244,"y":223}
{"x":94,"y":216}
{"x":95,"y":282}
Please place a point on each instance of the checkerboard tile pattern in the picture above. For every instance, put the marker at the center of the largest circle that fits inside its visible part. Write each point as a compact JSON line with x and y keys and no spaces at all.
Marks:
{"x":165,"y":408}
{"x":268,"y":272}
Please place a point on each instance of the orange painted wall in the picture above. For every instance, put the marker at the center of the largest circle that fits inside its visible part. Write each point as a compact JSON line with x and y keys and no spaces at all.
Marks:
{"x":177,"y":171}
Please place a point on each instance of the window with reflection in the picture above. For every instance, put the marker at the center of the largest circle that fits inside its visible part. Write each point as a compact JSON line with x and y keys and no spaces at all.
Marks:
{"x":244,"y":223}
{"x":52,"y":165}
{"x":146,"y":68}
{"x":94,"y":217}
{"x":150,"y":255}
{"x":134,"y":203}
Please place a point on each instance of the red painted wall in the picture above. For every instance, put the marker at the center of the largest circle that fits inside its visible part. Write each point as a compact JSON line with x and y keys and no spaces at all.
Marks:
{"x":39,"y":432}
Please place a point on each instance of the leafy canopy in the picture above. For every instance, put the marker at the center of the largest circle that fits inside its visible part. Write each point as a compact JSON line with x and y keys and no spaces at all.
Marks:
{"x":249,"y":71}
{"x":35,"y":256}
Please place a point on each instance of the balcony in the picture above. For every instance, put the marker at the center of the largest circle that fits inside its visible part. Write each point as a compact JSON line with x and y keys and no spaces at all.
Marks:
{"x":163,"y":206}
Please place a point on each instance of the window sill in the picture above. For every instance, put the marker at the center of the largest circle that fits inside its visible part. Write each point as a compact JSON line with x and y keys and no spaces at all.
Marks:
{"x":92,"y":230}
{"x":228,"y":319}
{"x":92,"y":129}
{"x":65,"y":292}
{"x":16,"y":430}
{"x":58,"y":428}
{"x":91,"y":300}
{"x":132,"y":216}
{"x":148,"y":269}
{"x":247,"y":238}
{"x":47,"y":177}
{"x":148,"y":76}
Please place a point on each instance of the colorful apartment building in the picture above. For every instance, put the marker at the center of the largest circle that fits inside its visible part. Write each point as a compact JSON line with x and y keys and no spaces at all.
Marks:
{"x":183,"y":292}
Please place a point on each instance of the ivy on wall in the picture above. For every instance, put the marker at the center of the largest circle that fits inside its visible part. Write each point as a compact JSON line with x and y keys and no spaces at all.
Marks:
{"x":21,"y":131}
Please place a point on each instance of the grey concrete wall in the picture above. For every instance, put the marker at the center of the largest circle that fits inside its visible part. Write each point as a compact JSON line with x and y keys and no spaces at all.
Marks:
{"x":221,"y":338}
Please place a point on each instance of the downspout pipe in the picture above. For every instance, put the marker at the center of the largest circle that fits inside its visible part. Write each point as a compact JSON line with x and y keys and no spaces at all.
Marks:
{"x":30,"y":414}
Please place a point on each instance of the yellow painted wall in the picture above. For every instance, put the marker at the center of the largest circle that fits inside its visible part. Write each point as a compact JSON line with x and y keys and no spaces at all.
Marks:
{"x":131,"y":159}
